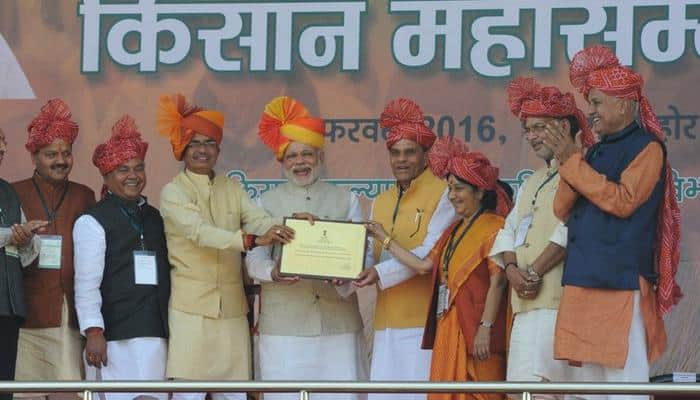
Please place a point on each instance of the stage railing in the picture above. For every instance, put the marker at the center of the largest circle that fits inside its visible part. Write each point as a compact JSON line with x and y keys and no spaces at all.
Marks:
{"x":523,"y":389}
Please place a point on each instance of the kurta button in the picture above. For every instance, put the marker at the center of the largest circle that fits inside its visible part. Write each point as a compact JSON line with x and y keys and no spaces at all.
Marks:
{"x":308,"y":198}
{"x":317,"y":297}
{"x":535,"y":208}
{"x":526,"y":245}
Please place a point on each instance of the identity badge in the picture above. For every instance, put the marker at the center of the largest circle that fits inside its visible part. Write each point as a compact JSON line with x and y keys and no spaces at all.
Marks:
{"x":145,"y":269}
{"x":50,"y":252}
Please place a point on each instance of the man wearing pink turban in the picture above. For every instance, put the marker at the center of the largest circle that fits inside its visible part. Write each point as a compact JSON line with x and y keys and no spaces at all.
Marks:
{"x":50,"y":346}
{"x":415,"y":212}
{"x":623,"y":228}
{"x":532,"y":243}
{"x":122,"y":274}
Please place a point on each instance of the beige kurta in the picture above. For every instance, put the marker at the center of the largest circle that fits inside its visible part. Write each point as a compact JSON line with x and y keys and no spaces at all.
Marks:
{"x":204,"y":223}
{"x":49,"y":354}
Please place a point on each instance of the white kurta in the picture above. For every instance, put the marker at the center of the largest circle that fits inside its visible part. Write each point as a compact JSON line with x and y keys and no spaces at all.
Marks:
{"x":335,"y":357}
{"x":130,"y":359}
{"x":397,"y":353}
{"x":531,"y":349}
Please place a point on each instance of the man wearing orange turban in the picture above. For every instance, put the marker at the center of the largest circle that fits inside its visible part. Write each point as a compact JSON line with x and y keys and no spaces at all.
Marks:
{"x":50,"y":346}
{"x":532,"y":243}
{"x":209,"y":222}
{"x":415,"y":212}
{"x":623,"y":228}
{"x":311,"y":330}
{"x":122,"y":274}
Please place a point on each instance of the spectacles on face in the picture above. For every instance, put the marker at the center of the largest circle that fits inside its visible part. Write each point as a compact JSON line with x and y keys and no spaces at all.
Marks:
{"x":206,"y":144}
{"x":536,"y":129}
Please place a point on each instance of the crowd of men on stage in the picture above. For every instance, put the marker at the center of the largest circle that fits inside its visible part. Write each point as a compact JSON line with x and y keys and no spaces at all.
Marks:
{"x":566,"y":281}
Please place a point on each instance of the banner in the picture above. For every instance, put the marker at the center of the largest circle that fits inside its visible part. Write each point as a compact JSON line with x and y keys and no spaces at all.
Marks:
{"x":345,"y":60}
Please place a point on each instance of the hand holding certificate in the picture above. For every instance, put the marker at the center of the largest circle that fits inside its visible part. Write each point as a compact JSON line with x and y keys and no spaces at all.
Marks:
{"x":324,"y":250}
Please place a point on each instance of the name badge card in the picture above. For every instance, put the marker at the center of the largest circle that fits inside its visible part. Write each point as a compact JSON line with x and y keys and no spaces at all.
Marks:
{"x":145,"y":269}
{"x":50,"y":252}
{"x":523,"y":227}
{"x":443,"y":300}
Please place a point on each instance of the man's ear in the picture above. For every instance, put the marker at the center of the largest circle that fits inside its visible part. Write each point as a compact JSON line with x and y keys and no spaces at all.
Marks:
{"x":566,"y":126}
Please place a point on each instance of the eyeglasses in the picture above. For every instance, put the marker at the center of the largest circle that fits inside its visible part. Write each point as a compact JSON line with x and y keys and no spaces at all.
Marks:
{"x":207,"y":144}
{"x":536,"y":129}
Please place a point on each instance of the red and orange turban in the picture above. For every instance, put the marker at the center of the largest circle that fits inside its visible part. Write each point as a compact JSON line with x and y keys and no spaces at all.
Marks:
{"x":286,"y":120}
{"x":404,"y":119}
{"x":180,"y":122}
{"x":598,"y":67}
{"x":53,"y":122}
{"x":450,"y":156}
{"x":527,"y":98}
{"x":124,"y":144}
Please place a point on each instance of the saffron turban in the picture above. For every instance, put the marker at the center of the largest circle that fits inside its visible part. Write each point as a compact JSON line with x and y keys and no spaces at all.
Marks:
{"x":180,"y":121}
{"x":598,"y":67}
{"x":53,"y":122}
{"x":450,"y":156}
{"x":286,"y":120}
{"x":527,"y":98}
{"x":404,"y":119}
{"x":124,"y":144}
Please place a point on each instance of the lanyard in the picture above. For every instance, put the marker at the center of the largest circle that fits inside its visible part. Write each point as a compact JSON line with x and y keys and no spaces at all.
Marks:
{"x":549,"y":178}
{"x":50,"y":214}
{"x":136,"y":225}
{"x":396,"y":210}
{"x":452,"y":244}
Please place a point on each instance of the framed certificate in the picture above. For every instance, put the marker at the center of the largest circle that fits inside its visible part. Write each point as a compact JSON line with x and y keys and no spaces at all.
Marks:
{"x":324,"y":250}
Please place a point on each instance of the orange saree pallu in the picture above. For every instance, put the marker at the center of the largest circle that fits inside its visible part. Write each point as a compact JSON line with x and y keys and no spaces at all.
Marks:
{"x":451,"y":336}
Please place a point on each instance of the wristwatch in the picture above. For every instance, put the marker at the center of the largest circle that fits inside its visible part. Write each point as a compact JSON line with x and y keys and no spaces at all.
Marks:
{"x":486,"y":324}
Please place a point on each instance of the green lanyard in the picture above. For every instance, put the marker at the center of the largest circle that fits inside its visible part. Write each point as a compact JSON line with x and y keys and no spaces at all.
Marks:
{"x":138,"y":227}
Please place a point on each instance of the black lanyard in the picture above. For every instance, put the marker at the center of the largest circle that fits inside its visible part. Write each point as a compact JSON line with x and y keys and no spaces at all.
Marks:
{"x":50,"y":214}
{"x":138,"y":227}
{"x":549,"y":178}
{"x":452,"y":244}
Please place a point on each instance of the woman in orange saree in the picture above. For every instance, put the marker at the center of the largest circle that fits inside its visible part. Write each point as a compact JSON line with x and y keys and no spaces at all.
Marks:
{"x":465,"y":325}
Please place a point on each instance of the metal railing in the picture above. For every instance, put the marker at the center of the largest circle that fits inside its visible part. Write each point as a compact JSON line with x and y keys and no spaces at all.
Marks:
{"x":304,"y":388}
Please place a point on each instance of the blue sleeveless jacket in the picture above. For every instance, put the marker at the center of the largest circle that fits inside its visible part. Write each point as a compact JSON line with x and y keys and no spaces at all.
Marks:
{"x":604,"y":251}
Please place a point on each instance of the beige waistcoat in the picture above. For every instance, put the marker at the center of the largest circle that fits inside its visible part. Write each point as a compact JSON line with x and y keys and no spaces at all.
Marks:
{"x":543,"y":224}
{"x":309,"y":307}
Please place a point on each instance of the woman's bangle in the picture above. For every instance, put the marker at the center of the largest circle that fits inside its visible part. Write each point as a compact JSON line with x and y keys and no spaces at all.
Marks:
{"x":386,"y":242}
{"x":510,"y":263}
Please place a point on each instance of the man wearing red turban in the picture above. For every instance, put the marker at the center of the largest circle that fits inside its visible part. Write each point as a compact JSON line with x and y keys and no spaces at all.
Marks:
{"x":50,"y":346}
{"x":310,"y":330}
{"x":532,"y":243}
{"x":623,"y":228}
{"x":466,"y":318}
{"x":209,"y":222}
{"x":415,"y":212}
{"x":122,"y":274}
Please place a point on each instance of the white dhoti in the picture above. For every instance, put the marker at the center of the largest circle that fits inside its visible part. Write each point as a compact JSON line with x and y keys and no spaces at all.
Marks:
{"x":531,"y":352}
{"x":397,"y":356}
{"x":312,"y":358}
{"x":141,"y":359}
{"x":202,"y":348}
{"x":636,"y":367}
